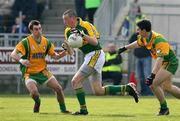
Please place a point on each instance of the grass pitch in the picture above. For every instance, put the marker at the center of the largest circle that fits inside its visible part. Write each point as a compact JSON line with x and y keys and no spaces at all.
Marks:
{"x":106,"y":108}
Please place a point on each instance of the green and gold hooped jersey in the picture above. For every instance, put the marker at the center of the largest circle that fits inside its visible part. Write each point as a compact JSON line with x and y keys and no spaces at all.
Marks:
{"x":158,"y":46}
{"x":35,"y":53}
{"x":89,"y":30}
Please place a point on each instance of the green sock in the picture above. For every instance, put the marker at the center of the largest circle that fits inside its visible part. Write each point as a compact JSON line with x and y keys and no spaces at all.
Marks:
{"x":81,"y":98}
{"x":62,"y":107}
{"x":113,"y":89}
{"x":164,"y":105}
{"x":36,"y":99}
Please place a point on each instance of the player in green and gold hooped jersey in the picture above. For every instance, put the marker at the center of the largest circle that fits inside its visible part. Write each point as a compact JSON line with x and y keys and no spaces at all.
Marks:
{"x":93,"y":62}
{"x":31,"y":53}
{"x":165,"y":66}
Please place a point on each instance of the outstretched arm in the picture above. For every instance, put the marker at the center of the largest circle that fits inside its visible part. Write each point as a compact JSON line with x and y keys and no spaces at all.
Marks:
{"x":132,"y":45}
{"x":129,"y":46}
{"x":59,"y":55}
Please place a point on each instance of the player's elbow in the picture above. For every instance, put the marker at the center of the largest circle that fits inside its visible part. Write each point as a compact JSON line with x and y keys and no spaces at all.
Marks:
{"x":12,"y":55}
{"x":93,"y":41}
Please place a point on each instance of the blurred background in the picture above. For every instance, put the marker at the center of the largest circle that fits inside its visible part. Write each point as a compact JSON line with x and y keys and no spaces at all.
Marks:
{"x":114,"y":19}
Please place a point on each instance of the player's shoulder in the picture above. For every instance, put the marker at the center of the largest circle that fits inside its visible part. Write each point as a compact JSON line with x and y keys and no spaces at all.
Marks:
{"x":23,"y":41}
{"x":84,"y":23}
{"x":44,"y":38}
{"x":160,"y":40}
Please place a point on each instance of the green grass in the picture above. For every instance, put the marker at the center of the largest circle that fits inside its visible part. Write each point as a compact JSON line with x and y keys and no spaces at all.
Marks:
{"x":113,"y":108}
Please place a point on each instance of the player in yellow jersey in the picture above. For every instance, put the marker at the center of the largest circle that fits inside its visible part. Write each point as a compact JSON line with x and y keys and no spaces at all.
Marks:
{"x":31,"y":53}
{"x":165,"y":66}
{"x":93,"y":62}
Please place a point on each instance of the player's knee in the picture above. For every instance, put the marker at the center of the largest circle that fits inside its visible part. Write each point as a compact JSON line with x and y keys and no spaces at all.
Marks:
{"x":155,"y":84}
{"x":58,"y":89}
{"x":75,"y":84}
{"x":98,"y":92}
{"x":34,"y":93}
{"x":167,"y":88}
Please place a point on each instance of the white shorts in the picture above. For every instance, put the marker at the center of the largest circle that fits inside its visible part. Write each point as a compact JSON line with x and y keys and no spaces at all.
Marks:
{"x":95,"y":59}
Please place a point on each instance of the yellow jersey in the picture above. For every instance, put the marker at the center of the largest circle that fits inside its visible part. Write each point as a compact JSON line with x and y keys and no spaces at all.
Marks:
{"x":89,"y":30}
{"x":35,"y":53}
{"x":157,"y":44}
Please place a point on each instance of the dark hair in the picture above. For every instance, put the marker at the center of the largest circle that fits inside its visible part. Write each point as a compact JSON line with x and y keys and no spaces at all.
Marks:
{"x":70,"y":13}
{"x":32,"y":23}
{"x":144,"y":24}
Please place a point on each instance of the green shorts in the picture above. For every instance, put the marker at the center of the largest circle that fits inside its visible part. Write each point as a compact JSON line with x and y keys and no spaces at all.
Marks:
{"x":40,"y":77}
{"x":171,"y":66}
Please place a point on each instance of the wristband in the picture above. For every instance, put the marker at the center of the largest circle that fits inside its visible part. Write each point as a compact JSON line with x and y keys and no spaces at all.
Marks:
{"x":21,"y":60}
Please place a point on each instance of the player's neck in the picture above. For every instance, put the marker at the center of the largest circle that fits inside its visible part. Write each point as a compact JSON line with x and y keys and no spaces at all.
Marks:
{"x":37,"y":38}
{"x":149,"y":35}
{"x":76,"y":22}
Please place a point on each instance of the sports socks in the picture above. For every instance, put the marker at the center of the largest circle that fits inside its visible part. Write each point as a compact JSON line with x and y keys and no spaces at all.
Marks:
{"x":62,"y":107}
{"x":81,"y":98}
{"x":164,"y":105}
{"x":36,"y":99}
{"x":114,"y":89}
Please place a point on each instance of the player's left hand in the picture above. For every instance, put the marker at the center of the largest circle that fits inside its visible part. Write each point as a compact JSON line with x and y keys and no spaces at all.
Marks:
{"x":150,"y":79}
{"x":25,"y":62}
{"x":80,"y":32}
{"x":121,"y":50}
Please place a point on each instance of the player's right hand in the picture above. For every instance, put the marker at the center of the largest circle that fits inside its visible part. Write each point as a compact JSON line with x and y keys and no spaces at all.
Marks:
{"x":121,"y":50}
{"x":67,"y":48}
{"x":150,"y":79}
{"x":64,"y":46}
{"x":25,"y":62}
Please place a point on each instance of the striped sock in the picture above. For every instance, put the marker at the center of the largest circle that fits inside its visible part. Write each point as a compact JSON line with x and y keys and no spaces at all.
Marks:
{"x":114,"y":89}
{"x":81,"y":98}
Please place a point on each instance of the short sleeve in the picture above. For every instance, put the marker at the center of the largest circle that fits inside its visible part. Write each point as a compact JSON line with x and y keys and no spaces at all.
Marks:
{"x":20,"y":48}
{"x":140,"y":40}
{"x":92,"y":31}
{"x":51,"y":51}
{"x":67,"y":33}
{"x":162,"y":49}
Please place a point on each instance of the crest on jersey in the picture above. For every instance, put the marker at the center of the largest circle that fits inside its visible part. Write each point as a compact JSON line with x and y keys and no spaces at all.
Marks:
{"x":32,"y":48}
{"x":44,"y":47}
{"x":158,"y":51}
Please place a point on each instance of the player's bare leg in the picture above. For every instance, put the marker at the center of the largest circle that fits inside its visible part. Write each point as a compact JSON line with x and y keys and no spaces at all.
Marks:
{"x":170,"y":88}
{"x":161,"y":76}
{"x":77,"y":86}
{"x":113,"y":89}
{"x":53,"y":84}
{"x":32,"y":88}
{"x":96,"y":84}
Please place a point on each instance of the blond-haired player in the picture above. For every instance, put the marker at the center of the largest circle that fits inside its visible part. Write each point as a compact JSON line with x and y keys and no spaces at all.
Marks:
{"x":93,"y":62}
